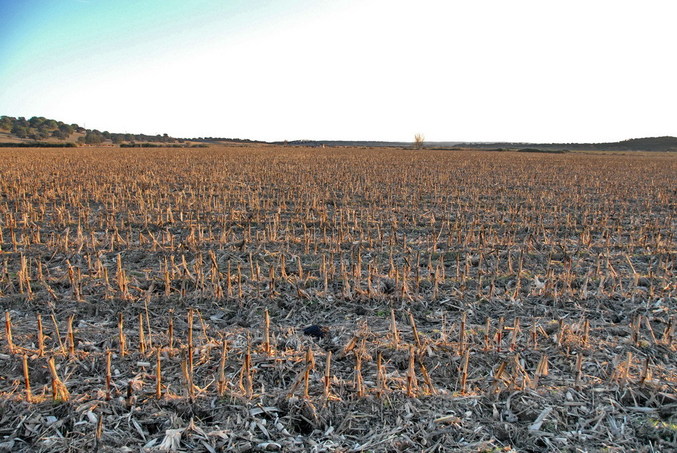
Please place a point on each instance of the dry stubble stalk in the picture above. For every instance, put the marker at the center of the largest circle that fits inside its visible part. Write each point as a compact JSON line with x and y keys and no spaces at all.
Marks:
{"x":246,"y":374}
{"x":359,"y":380}
{"x":310,"y":363}
{"x":121,"y":335}
{"x":668,"y":332}
{"x":129,"y":399}
{"x":190,"y":349}
{"x":27,"y":380}
{"x":498,"y":376}
{"x":24,"y":279}
{"x":487,"y":334}
{"x":190,"y":328}
{"x":266,"y":332}
{"x":240,"y":293}
{"x":327,"y":376}
{"x":560,"y":332}
{"x":158,"y":374}
{"x":221,"y":383}
{"x":650,"y":329}
{"x":515,"y":333}
{"x":393,"y":329}
{"x":99,"y":432}
{"x":414,"y":330}
{"x":461,"y":334}
{"x":142,"y":337}
{"x":625,"y":375}
{"x":579,"y":370}
{"x":59,"y":390}
{"x":464,"y":372}
{"x":168,"y":284}
{"x":426,"y":377}
{"x":534,"y":335}
{"x":170,"y":333}
{"x":109,"y":355}
{"x":586,"y":332}
{"x":411,"y":373}
{"x":41,"y":337}
{"x":646,"y":371}
{"x":499,"y":334}
{"x":187,"y":377}
{"x":636,"y":323}
{"x":121,"y":278}
{"x":542,"y":370}
{"x":8,"y":332}
{"x":58,"y":334}
{"x":146,"y":301}
{"x":70,"y":336}
{"x":380,"y":376}
{"x":229,"y":281}
{"x":520,"y":372}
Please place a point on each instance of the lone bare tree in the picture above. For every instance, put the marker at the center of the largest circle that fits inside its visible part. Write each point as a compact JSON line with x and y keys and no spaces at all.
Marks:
{"x":418,"y":140}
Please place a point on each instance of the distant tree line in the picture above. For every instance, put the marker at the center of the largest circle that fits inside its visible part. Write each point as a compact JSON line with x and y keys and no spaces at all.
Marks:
{"x":38,"y":145}
{"x":223,"y":139}
{"x":40,"y":128}
{"x":95,"y":137}
{"x":164,"y":138}
{"x":155,"y":145}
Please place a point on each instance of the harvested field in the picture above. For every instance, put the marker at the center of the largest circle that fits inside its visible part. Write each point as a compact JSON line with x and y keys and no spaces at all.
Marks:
{"x":156,"y":300}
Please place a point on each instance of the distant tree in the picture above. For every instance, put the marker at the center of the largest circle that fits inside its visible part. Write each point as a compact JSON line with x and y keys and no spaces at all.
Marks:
{"x":57,"y":133}
{"x":44,"y":129}
{"x":66,"y":129}
{"x":94,"y":137}
{"x":38,"y":134}
{"x":20,"y":130}
{"x":6,"y":123}
{"x":419,"y":139}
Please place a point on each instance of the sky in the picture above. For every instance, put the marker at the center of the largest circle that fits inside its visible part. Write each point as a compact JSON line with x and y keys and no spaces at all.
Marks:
{"x":472,"y":70}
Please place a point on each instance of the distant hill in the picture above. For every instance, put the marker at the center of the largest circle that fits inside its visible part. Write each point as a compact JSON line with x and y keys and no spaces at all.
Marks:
{"x":40,"y":131}
{"x":665,"y":143}
{"x":661,"y":144}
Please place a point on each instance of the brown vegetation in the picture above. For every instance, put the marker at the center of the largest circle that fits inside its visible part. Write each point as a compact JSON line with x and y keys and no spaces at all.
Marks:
{"x":156,"y":300}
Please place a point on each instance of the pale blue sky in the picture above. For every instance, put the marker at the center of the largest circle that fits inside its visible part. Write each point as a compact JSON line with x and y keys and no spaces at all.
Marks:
{"x":480,"y":70}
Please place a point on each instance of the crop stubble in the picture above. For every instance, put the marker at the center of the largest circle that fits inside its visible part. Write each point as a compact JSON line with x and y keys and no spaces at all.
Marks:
{"x":472,"y":300}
